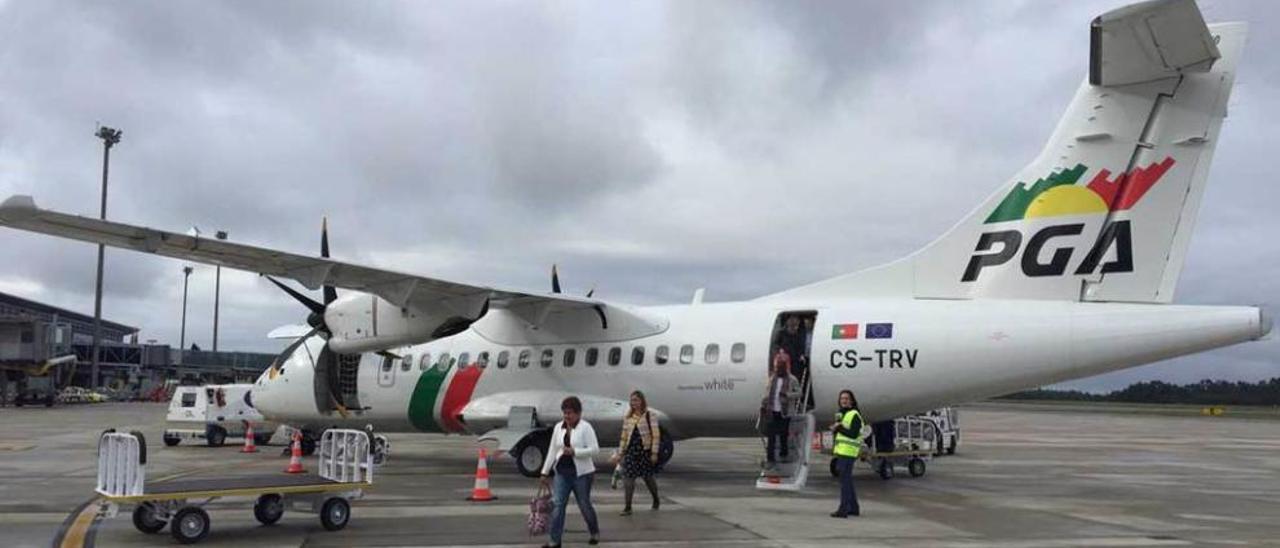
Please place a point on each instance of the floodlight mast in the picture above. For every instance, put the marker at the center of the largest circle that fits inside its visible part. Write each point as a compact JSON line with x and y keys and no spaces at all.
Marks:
{"x":110,"y":137}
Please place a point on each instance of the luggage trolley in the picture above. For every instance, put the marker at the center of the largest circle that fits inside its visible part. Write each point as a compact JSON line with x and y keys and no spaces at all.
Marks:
{"x":345,"y":470}
{"x":909,"y":442}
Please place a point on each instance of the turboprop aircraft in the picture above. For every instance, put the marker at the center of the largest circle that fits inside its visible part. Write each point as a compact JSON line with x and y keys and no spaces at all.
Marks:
{"x":1066,"y":271}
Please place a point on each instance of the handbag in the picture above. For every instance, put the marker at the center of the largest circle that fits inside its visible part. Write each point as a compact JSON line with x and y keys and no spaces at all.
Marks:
{"x":539,"y":511}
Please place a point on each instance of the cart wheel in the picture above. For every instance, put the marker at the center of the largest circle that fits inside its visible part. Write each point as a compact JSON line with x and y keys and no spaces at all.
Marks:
{"x":146,"y":520}
{"x":215,"y":436}
{"x":955,"y":438}
{"x":835,"y":472}
{"x":170,"y":441}
{"x":268,"y":509}
{"x":190,"y":525}
{"x":916,"y":467}
{"x":262,"y":439}
{"x":885,"y":469}
{"x":335,"y":513}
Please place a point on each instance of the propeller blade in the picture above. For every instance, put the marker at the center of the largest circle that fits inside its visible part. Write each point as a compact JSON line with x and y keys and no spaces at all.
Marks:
{"x":330,"y":294}
{"x":555,"y":280}
{"x":311,"y":304}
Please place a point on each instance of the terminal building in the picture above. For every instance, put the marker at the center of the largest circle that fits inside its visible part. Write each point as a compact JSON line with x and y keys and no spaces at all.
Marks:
{"x":44,"y":348}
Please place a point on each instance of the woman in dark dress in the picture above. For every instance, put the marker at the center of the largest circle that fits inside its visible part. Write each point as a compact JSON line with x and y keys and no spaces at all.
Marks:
{"x":638,"y":450}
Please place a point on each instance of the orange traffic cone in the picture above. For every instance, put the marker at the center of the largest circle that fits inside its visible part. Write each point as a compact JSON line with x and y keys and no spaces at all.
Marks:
{"x":249,"y":446}
{"x":481,"y":493}
{"x":295,"y":461}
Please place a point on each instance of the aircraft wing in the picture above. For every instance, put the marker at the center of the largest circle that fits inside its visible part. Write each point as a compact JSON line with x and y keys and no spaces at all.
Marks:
{"x":405,"y":290}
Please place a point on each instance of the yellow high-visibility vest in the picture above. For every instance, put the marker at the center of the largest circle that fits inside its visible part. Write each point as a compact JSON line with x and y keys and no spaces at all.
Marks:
{"x":846,"y":446}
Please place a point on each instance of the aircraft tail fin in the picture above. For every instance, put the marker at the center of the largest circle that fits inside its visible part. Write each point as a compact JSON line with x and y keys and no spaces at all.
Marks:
{"x":1106,"y":211}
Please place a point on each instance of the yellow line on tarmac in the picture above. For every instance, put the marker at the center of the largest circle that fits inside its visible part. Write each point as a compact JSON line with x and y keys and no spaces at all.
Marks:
{"x":80,"y":527}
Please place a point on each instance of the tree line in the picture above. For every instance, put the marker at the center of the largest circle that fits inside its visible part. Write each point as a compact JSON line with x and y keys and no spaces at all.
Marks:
{"x":1205,"y":392}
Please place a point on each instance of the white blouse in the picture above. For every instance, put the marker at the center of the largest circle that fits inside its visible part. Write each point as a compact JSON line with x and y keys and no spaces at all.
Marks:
{"x":584,"y":443}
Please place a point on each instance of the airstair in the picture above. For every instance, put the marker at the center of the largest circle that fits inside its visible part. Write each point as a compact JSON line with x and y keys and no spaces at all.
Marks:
{"x":790,"y":474}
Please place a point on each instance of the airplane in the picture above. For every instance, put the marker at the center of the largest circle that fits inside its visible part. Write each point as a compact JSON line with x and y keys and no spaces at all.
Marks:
{"x":1066,"y":271}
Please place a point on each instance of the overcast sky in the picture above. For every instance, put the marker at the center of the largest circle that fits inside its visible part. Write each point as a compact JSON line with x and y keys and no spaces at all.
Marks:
{"x":648,"y":148}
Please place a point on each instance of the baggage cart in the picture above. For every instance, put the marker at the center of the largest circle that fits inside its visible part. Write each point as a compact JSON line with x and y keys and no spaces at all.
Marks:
{"x":345,"y":470}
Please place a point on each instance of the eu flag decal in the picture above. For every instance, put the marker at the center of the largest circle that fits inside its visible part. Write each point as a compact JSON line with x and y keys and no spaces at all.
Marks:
{"x":879,"y":331}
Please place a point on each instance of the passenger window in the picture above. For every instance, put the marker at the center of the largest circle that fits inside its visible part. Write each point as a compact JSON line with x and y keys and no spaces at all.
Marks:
{"x":713,"y":354}
{"x":637,"y":355}
{"x":406,"y":363}
{"x":503,"y":357}
{"x":547,"y":356}
{"x":569,"y":355}
{"x":482,"y":361}
{"x":615,"y":355}
{"x":525,"y":356}
{"x":386,"y":364}
{"x":464,"y":360}
{"x":593,"y":355}
{"x":686,"y":354}
{"x":660,"y":355}
{"x":424,"y":362}
{"x":443,"y":363}
{"x":738,"y":352}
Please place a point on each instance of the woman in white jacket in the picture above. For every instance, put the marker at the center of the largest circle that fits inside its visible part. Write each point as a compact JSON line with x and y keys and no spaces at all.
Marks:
{"x":573,"y":445}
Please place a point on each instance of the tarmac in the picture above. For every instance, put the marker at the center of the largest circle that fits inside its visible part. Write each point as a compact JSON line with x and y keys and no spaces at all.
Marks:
{"x":1023,"y":476}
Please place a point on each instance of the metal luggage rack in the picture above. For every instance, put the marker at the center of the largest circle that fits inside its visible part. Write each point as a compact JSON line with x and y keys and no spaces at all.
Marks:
{"x":345,"y":469}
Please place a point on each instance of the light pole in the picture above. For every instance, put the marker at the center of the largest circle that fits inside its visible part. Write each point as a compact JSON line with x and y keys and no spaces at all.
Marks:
{"x":217,"y":290}
{"x":182,"y":339}
{"x":109,"y":138}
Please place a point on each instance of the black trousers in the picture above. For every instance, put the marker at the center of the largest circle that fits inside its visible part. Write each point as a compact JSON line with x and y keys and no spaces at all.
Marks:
{"x":848,"y":495}
{"x":778,"y":426}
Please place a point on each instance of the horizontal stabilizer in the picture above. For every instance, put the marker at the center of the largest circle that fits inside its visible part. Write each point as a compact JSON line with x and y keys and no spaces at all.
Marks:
{"x":1149,"y":41}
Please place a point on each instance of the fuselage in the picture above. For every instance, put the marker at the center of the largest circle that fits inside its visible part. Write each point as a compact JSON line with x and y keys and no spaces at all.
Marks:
{"x":706,"y":371}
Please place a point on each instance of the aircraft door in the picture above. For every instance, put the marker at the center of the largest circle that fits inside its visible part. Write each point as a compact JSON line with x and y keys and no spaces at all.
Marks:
{"x":792,"y":337}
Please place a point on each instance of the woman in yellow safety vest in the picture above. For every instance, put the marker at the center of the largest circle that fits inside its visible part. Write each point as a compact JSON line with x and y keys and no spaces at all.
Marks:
{"x":848,"y":430}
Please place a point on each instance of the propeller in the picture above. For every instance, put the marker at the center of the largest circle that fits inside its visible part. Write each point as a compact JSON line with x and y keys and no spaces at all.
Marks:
{"x":330,"y":294}
{"x":555,"y":288}
{"x":316,"y":318}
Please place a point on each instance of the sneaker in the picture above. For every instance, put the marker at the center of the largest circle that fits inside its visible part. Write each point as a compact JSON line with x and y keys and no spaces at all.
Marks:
{"x":625,"y":512}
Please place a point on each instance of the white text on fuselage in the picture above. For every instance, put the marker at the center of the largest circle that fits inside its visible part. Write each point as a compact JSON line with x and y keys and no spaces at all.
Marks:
{"x":884,"y":358}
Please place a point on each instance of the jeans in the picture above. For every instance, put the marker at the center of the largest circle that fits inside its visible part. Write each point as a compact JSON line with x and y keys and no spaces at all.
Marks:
{"x":848,"y":495}
{"x":778,"y":430}
{"x":580,"y":486}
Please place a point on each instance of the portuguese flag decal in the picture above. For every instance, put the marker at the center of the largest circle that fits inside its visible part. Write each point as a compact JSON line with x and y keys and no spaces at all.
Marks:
{"x":844,"y":331}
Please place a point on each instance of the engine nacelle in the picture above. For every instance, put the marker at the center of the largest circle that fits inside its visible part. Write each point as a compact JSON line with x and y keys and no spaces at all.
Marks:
{"x":362,"y":322}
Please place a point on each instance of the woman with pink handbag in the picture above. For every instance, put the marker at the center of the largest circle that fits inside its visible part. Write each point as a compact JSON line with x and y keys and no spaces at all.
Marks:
{"x":573,"y":445}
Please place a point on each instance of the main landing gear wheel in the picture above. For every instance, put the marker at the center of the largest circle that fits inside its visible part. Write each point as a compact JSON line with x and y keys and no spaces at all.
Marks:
{"x":146,"y":520}
{"x":268,"y":509}
{"x":916,"y":467}
{"x":530,"y":452}
{"x":955,"y":439}
{"x":335,"y":513}
{"x":170,"y":441}
{"x":190,"y":525}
